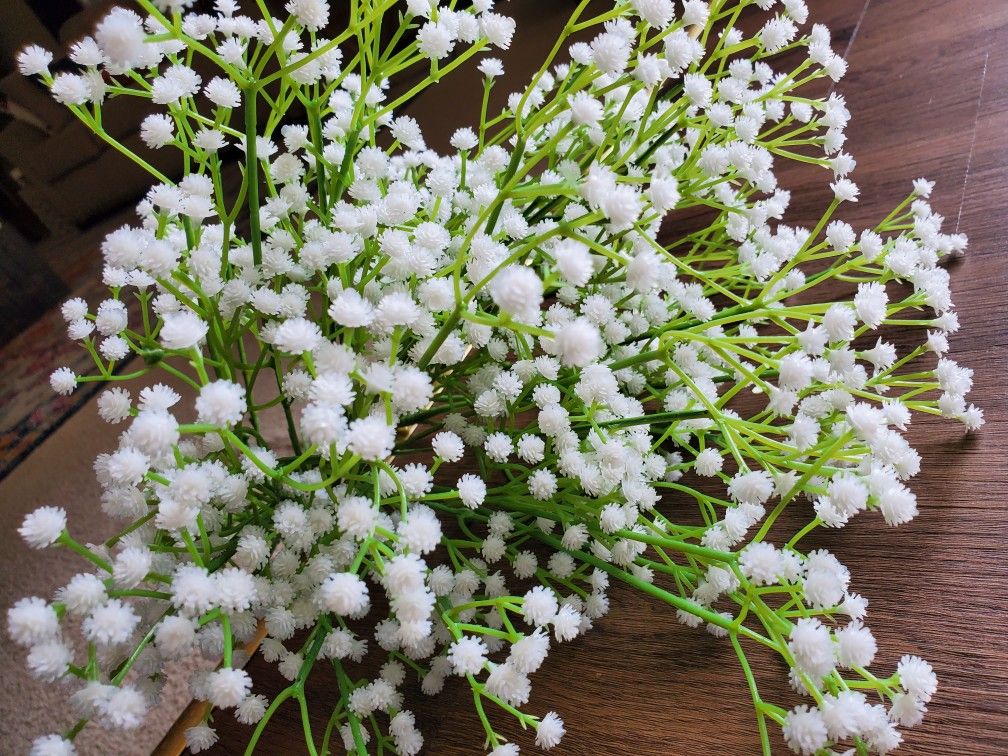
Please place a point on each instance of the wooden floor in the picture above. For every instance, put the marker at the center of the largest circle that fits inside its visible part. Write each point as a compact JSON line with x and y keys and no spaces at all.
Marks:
{"x":928,"y":88}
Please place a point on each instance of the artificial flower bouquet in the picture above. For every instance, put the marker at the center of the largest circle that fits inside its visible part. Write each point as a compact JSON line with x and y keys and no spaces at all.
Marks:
{"x":499,"y":374}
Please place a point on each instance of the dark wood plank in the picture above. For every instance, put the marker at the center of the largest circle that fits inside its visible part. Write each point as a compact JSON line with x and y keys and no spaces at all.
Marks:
{"x":928,"y":87}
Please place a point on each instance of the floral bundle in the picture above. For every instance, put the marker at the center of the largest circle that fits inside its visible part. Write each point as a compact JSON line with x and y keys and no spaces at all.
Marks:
{"x":498,"y":375}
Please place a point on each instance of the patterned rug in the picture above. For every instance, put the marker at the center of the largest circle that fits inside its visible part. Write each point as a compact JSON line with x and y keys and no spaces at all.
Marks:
{"x":29,"y":409}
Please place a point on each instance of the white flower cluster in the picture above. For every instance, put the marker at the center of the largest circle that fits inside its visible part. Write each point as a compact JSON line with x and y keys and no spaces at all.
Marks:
{"x":522,"y":322}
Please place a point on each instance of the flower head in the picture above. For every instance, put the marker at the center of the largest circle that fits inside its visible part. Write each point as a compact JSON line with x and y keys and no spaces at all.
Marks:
{"x":43,"y":527}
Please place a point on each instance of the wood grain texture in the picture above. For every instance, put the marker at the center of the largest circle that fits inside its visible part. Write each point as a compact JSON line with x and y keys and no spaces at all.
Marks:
{"x":928,"y":88}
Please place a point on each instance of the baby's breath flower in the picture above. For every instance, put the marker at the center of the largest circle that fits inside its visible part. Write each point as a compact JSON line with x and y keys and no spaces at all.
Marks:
{"x":460,"y":386}
{"x":43,"y":527}
{"x":34,"y":60}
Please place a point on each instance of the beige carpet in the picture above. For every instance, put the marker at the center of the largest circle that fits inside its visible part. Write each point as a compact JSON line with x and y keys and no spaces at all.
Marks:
{"x":59,"y":473}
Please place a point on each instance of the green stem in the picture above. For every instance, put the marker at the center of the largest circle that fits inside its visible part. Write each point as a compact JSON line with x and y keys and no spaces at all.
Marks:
{"x":252,"y":173}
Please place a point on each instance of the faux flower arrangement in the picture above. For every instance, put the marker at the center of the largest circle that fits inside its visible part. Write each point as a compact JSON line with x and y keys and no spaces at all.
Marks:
{"x":524,"y":308}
